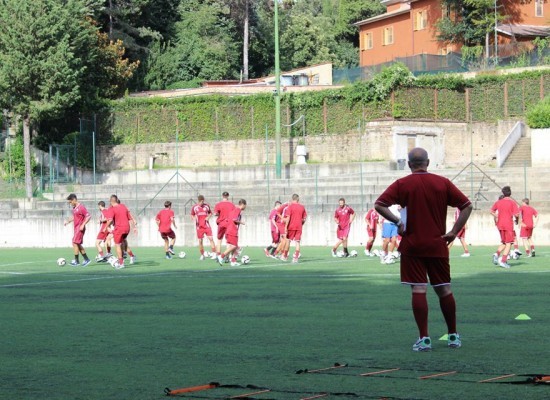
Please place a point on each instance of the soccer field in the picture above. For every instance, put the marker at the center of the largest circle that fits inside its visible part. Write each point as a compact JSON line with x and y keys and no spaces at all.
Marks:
{"x":96,"y":333}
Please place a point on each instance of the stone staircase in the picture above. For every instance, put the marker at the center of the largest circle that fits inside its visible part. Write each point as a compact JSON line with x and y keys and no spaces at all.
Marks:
{"x":520,"y":155}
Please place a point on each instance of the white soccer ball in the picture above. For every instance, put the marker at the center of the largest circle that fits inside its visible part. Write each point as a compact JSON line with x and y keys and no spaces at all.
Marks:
{"x":113,"y":261}
{"x":182,"y":254}
{"x":340,"y":253}
{"x":514,"y":255}
{"x":353,"y":253}
{"x":376,"y":253}
{"x":61,"y":261}
{"x":207,"y":254}
{"x":245,"y":260}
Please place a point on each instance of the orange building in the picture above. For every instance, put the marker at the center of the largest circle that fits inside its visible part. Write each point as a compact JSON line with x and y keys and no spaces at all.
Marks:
{"x":408,"y":28}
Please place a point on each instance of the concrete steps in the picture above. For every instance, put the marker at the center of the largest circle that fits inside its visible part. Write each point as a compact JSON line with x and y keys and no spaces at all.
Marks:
{"x":520,"y":155}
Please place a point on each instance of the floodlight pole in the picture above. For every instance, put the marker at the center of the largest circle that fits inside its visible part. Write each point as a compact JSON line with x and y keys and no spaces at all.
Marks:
{"x":496,"y":35}
{"x":278,"y":158}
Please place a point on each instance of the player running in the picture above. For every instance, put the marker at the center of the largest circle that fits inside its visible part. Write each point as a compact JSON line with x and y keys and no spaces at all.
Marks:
{"x":504,"y":211}
{"x":343,"y":216}
{"x":80,"y":218}
{"x":274,"y":218}
{"x":296,"y":216}
{"x":529,"y":219}
{"x":371,"y":219}
{"x":120,"y":217}
{"x":104,"y":236}
{"x":461,"y":236}
{"x":201,"y":213}
{"x":165,"y":220}
{"x":232,"y":234}
{"x":222,"y":211}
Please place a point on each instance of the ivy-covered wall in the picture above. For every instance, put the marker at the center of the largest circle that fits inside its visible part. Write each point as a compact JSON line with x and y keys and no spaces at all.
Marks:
{"x":394,"y":93}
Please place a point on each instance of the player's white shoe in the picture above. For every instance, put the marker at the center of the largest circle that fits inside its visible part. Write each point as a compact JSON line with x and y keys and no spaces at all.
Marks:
{"x":235,"y":264}
{"x":201,"y":257}
{"x":453,"y":341}
{"x":295,"y":260}
{"x":367,"y":253}
{"x":333,"y":253}
{"x":219,"y":259}
{"x":503,"y":265}
{"x":119,"y":266}
{"x":213,"y":256}
{"x":423,"y":344}
{"x":132,"y":259}
{"x":75,"y":263}
{"x":495,"y":258}
{"x":465,"y":255}
{"x":389,"y":259}
{"x":171,"y":251}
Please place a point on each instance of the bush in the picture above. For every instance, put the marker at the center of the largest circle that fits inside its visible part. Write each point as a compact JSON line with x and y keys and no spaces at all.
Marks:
{"x":539,"y":116}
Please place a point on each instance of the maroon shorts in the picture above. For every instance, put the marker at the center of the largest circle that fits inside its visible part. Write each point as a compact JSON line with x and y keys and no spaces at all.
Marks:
{"x":371,"y":233}
{"x":294,"y":235}
{"x":102,"y":235}
{"x":461,"y":234}
{"x":78,"y":236}
{"x":232,"y":239}
{"x":202,"y":232}
{"x":170,"y":234}
{"x":526,"y":232}
{"x":275,"y":236}
{"x":342,"y":234}
{"x":282,"y":229}
{"x":120,"y":235}
{"x":417,"y":270}
{"x":507,"y":236}
{"x":221,"y":231}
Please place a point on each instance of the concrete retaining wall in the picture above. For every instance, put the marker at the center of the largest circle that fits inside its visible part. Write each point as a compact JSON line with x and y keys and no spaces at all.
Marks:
{"x":319,"y":230}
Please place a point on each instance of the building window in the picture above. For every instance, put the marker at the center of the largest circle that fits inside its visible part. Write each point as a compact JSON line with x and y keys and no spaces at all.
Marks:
{"x":388,"y":36}
{"x":368,"y":41}
{"x":421,"y":20}
{"x":446,"y":10}
{"x":539,"y":12}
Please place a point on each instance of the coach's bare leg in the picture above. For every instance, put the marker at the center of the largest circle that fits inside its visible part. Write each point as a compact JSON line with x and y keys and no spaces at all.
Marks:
{"x":464,"y":245}
{"x":338,"y":243}
{"x":201,"y":247}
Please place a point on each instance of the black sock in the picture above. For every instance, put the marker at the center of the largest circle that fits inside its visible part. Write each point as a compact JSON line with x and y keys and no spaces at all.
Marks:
{"x":85,"y":257}
{"x":171,"y":247}
{"x":273,"y":250}
{"x":76,"y":258}
{"x":346,"y":250}
{"x":269,"y":248}
{"x":167,"y":253}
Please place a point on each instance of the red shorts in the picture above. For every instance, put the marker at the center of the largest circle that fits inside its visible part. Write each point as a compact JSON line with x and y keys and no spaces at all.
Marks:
{"x":526,"y":232}
{"x":221,"y":231}
{"x":461,"y":234}
{"x":102,"y":235}
{"x":417,"y":270}
{"x":78,"y":236}
{"x":294,"y":235}
{"x":120,"y":236}
{"x":275,"y":236}
{"x":232,"y":239}
{"x":371,"y":233}
{"x":342,"y":234}
{"x":507,"y":236}
{"x":202,"y":232}
{"x":170,"y":234}
{"x":282,"y":229}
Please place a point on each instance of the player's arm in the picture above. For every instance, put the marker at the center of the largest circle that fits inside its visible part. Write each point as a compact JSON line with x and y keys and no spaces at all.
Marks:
{"x":174,"y":222}
{"x":459,"y":224}
{"x":352,"y":218}
{"x":132,"y":220}
{"x":272,"y":221}
{"x":86,"y":220}
{"x":386,"y":213}
{"x":68,"y":221}
{"x":157,"y":220}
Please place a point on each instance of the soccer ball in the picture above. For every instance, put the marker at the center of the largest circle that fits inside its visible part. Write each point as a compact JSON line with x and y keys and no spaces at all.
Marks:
{"x":340,"y":254}
{"x":514,"y":255}
{"x":182,"y":254}
{"x":353,"y":253}
{"x":207,"y":254}
{"x":376,"y":253}
{"x":245,"y":260}
{"x":113,"y":261}
{"x":61,"y":262}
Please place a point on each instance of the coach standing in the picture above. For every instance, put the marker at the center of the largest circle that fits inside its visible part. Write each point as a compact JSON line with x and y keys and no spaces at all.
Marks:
{"x":424,"y":198}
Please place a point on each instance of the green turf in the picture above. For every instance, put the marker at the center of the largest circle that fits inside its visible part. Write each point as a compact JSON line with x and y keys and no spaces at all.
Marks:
{"x":97,"y":333}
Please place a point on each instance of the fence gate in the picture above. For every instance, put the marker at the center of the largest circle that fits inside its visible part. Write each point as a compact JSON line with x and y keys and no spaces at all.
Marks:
{"x":62,"y":164}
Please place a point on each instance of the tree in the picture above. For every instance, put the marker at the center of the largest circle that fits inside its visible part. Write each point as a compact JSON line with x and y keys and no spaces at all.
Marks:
{"x":51,"y":58}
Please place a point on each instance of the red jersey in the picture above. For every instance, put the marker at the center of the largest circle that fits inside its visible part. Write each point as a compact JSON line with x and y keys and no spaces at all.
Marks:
{"x":234,"y":216}
{"x":343,"y":215}
{"x":507,"y":209}
{"x":120,"y":215}
{"x":222,"y":210}
{"x":165,"y":218}
{"x":274,"y":218}
{"x":103,"y":218}
{"x":372,"y":218}
{"x":296,"y":214}
{"x":80,"y":213}
{"x":201,"y":212}
{"x":424,"y":198}
{"x":527,"y":213}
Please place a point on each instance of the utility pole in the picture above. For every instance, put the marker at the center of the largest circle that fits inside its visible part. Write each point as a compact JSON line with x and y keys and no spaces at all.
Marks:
{"x":278,"y":158}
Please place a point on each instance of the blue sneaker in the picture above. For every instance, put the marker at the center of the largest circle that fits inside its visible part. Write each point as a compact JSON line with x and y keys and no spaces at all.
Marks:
{"x":75,"y":263}
{"x":86,"y":262}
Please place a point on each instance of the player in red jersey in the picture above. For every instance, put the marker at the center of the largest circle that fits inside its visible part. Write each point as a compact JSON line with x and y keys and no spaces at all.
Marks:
{"x":165,"y":220}
{"x":232,"y":234}
{"x":80,"y":218}
{"x":461,"y":236}
{"x":371,"y":219}
{"x":201,"y":213}
{"x":529,"y":218}
{"x":343,"y":216}
{"x":424,"y":253}
{"x":274,"y":219}
{"x":282,"y":249}
{"x":120,"y":217}
{"x":295,"y":215}
{"x":104,"y":236}
{"x":222,"y":211}
{"x":505,"y":211}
